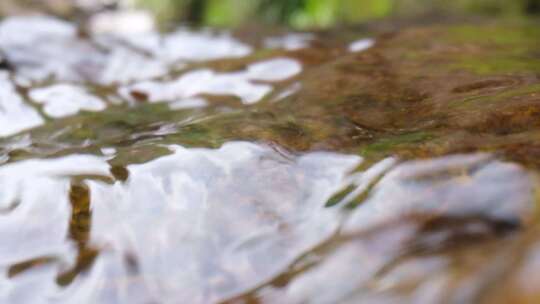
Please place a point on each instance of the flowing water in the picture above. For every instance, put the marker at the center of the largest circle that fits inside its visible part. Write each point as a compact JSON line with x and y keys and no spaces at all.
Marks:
{"x":202,"y":166}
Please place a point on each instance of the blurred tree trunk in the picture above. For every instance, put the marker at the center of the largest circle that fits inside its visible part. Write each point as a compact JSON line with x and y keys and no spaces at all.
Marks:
{"x":533,"y":6}
{"x":196,"y":11}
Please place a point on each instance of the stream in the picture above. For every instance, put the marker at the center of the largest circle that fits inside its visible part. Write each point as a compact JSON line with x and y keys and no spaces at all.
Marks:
{"x":363,"y":165}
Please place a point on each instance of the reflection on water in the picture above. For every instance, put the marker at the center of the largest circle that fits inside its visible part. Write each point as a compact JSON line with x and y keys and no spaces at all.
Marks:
{"x":140,"y":167}
{"x":15,"y":115}
{"x":197,"y":226}
{"x":50,"y":47}
{"x":203,"y":226}
{"x":240,"y":84}
{"x":47,"y":48}
{"x":65,"y":100}
{"x":35,"y":222}
{"x":228,"y":219}
{"x":129,"y":22}
{"x":456,"y":186}
{"x":361,"y":45}
{"x":291,"y":42}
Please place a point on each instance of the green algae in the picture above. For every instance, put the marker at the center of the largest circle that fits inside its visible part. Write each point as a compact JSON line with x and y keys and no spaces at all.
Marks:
{"x":391,"y":145}
{"x":405,"y":96}
{"x":527,"y":91}
{"x":513,"y":48}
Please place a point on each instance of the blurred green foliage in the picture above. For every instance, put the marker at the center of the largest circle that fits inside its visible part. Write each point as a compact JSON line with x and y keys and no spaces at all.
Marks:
{"x":324,"y":13}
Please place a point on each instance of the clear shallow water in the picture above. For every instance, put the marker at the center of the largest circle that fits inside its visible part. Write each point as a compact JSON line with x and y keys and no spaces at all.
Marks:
{"x":207,"y":167}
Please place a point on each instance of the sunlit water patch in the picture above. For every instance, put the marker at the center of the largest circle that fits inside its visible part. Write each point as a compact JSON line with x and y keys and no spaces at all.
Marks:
{"x":204,"y":226}
{"x":197,"y":226}
{"x":15,"y":114}
{"x":65,"y":100}
{"x":53,"y":48}
{"x":242,"y":84}
{"x":361,"y":45}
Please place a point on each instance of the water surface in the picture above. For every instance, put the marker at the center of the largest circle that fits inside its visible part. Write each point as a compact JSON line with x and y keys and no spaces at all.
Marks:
{"x":204,"y":166}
